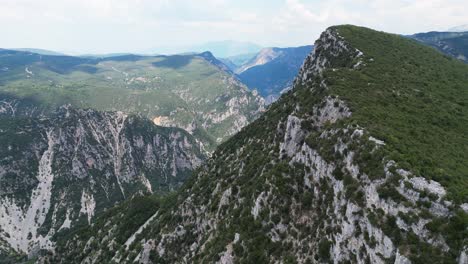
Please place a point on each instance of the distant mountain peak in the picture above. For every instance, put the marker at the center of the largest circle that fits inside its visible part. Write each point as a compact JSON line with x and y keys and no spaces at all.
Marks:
{"x":264,"y":56}
{"x":272,"y":70}
{"x":461,"y":28}
{"x":208,"y":56}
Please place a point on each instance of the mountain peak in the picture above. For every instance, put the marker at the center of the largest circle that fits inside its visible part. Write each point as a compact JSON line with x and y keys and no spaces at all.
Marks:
{"x":209,"y":57}
{"x":351,"y":165}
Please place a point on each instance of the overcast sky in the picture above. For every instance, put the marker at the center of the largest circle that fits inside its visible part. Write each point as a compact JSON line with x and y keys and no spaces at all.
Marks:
{"x":105,"y":26}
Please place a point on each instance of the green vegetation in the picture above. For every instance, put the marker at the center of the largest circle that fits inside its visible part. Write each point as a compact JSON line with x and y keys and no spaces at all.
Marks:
{"x":127,"y":217}
{"x":406,"y":94}
{"x":454,"y":44}
{"x":324,"y":249}
{"x":184,"y":89}
{"x":414,"y":99}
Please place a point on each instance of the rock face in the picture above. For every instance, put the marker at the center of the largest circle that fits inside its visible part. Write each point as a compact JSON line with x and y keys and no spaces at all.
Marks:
{"x":301,"y":184}
{"x":62,"y":170}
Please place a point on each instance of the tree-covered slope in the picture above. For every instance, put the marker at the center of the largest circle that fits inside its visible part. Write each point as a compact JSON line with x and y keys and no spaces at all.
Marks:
{"x":363,"y":161}
{"x":194,"y":92}
{"x":454,"y":44}
{"x":414,"y":100}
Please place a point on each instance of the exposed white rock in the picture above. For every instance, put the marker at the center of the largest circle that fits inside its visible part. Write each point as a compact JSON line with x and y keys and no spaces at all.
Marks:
{"x":400,"y":259}
{"x":236,"y":238}
{"x":28,"y":71}
{"x":7,"y":106}
{"x":333,"y":109}
{"x":116,"y":125}
{"x":464,"y":207}
{"x":88,"y":205}
{"x":67,"y":222}
{"x":376,"y":141}
{"x":147,"y":183}
{"x":292,"y":136}
{"x":224,"y":198}
{"x":227,"y":257}
{"x":144,"y":256}
{"x":258,"y":204}
{"x":140,"y":229}
{"x":329,"y":45}
{"x":432,"y":186}
{"x":463,"y":258}
{"x":20,"y":228}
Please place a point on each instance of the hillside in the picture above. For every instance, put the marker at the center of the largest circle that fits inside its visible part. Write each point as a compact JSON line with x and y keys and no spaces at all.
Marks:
{"x":454,"y":44}
{"x":192,"y":92}
{"x":363,"y":161}
{"x":272,"y":70}
{"x":61,"y":171}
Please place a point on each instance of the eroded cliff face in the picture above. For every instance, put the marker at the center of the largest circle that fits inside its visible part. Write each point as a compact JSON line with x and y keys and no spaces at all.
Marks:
{"x":231,"y":111}
{"x":59,"y":171}
{"x":300,"y":184}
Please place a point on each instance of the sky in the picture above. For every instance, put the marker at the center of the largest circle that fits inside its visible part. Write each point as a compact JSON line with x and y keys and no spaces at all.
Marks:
{"x":109,"y":26}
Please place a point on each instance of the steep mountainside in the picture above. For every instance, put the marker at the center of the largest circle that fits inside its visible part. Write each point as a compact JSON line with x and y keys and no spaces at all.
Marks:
{"x":194,"y":92}
{"x":363,"y":161}
{"x":62,"y":170}
{"x":234,"y":62}
{"x":272,"y":71}
{"x":454,"y":44}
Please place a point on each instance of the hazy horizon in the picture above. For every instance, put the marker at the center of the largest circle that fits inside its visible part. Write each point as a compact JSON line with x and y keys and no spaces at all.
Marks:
{"x":123,"y":26}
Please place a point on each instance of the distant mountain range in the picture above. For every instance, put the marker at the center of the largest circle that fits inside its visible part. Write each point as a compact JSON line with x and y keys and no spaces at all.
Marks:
{"x":234,"y":62}
{"x":195,"y":92}
{"x":454,"y":44}
{"x":40,"y":51}
{"x":271,"y":71}
{"x":220,"y":49}
{"x":461,"y":28}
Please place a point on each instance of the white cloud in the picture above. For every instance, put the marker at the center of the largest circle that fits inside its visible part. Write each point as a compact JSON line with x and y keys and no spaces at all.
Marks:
{"x":132,"y":25}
